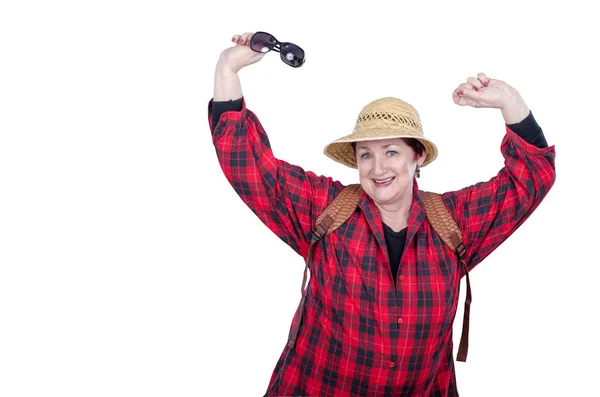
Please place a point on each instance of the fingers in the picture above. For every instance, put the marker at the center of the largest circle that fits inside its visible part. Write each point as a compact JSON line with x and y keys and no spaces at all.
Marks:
{"x":467,"y":94}
{"x":470,"y":94}
{"x":459,"y":92}
{"x":479,"y":82}
{"x":243,"y":39}
{"x":485,"y":81}
{"x":246,"y":38}
{"x":475,"y":83}
{"x":467,"y":97}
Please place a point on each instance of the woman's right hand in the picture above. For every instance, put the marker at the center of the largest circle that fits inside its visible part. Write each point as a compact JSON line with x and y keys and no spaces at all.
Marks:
{"x":233,"y":59}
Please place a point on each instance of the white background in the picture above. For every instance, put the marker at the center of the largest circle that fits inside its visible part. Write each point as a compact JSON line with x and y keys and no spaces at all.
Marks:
{"x":128,"y":265}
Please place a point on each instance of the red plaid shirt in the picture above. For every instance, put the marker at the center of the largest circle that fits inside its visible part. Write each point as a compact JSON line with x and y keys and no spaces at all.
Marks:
{"x":360,"y":335}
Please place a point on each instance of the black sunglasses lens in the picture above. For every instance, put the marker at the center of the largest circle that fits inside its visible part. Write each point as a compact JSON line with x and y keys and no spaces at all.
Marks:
{"x":291,"y":54}
{"x":262,"y":42}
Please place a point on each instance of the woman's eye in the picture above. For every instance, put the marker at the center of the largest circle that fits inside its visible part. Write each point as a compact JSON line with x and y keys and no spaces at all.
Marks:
{"x":392,"y":153}
{"x":365,"y":156}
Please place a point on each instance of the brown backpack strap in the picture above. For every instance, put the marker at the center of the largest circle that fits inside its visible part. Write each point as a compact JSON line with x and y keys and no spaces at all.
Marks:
{"x":334,"y":215}
{"x":445,"y":226}
{"x":338,"y":211}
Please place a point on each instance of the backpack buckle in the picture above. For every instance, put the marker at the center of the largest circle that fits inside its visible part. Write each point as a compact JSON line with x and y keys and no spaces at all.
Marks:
{"x":461,"y":251}
{"x":319,"y":231}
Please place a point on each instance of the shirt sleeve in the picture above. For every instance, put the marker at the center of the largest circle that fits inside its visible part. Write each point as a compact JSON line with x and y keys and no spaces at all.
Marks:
{"x":220,"y":107}
{"x":489,"y":212}
{"x":286,"y":198}
{"x":530,"y":131}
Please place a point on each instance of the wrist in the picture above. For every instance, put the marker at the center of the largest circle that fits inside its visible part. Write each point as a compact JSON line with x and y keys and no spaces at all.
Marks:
{"x":224,"y":67}
{"x":514,"y":109}
{"x":227,"y":83}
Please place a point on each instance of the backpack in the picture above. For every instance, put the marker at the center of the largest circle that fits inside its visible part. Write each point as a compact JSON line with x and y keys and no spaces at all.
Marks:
{"x":342,"y":207}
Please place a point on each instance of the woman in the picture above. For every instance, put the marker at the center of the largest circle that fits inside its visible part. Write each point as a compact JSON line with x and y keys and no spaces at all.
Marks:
{"x":381,"y":301}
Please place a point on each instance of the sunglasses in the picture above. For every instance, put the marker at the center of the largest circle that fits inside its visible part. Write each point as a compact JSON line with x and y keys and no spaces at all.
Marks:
{"x":290,"y":53}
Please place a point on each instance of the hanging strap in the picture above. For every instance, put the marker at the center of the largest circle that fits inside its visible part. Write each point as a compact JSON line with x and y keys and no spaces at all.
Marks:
{"x":336,"y":213}
{"x":445,"y":226}
{"x":342,"y":207}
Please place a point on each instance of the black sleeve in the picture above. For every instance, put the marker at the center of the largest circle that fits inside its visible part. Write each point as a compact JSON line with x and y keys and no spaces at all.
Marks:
{"x":218,"y":108}
{"x":529,"y":130}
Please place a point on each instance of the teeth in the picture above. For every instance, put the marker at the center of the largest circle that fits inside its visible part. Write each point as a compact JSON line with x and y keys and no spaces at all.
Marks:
{"x":385,"y":180}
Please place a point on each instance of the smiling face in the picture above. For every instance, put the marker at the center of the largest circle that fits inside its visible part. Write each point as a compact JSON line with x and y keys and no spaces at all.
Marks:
{"x":386,"y":169}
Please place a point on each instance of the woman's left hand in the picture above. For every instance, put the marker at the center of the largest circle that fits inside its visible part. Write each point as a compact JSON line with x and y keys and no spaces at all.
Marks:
{"x":483,"y":92}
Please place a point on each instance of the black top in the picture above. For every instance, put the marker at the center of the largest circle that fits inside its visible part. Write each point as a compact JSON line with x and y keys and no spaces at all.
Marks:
{"x":528,"y":129}
{"x":395,"y":245}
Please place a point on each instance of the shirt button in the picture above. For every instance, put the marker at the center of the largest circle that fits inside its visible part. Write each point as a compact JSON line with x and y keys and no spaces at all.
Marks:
{"x":392,"y":364}
{"x":401,"y":278}
{"x":400,"y":320}
{"x":223,"y":118}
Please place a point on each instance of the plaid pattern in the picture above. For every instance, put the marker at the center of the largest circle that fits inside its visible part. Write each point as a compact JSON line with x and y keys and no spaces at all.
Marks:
{"x":360,"y":335}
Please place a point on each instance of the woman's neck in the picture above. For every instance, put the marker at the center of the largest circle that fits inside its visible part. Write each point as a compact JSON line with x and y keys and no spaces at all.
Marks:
{"x":396,"y":215}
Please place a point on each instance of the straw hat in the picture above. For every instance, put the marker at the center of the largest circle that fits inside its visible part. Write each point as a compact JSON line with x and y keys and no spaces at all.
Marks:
{"x":382,"y":119}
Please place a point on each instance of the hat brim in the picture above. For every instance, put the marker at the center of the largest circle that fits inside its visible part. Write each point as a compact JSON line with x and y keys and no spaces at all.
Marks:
{"x":341,"y":149}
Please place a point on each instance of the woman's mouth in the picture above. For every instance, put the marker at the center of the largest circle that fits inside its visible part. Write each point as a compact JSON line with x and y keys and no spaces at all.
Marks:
{"x":383,"y":182}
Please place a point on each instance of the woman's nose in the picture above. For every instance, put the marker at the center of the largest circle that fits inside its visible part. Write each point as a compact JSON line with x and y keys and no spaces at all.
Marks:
{"x":379,"y":166}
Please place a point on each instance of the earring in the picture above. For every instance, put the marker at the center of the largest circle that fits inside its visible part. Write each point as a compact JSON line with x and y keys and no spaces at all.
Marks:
{"x":418,"y":172}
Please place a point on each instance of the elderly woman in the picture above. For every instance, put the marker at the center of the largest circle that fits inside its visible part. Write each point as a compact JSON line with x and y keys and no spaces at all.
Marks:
{"x":378,"y":312}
